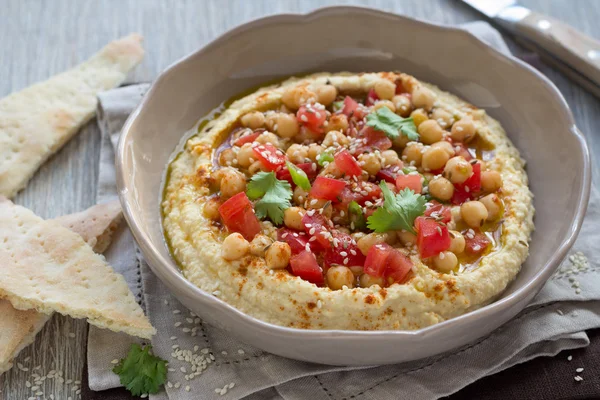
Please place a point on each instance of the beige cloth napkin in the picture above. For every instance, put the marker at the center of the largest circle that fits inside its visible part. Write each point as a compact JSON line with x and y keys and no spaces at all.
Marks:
{"x":215,"y":365}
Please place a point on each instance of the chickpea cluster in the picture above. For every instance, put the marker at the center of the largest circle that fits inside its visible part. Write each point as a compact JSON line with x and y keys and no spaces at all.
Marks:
{"x":441,"y":157}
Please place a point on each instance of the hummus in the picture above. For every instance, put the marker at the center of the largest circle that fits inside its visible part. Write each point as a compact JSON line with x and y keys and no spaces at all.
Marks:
{"x":349,"y":201}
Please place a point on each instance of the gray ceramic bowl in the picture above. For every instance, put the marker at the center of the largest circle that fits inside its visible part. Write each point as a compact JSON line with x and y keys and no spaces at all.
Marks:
{"x":533,"y":112}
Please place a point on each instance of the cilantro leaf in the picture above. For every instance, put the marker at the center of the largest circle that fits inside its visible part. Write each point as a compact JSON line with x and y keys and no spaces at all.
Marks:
{"x":398,"y":211}
{"x":275,"y":193}
{"x":141,"y":372}
{"x":388,"y":122}
{"x":324,"y":157}
{"x":356,"y":215}
{"x":298,"y":176}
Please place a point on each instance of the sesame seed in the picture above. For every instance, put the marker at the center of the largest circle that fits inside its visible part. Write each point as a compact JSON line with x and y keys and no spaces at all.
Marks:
{"x":176,"y":312}
{"x":240,"y":351}
{"x":579,"y":370}
{"x":569,"y":358}
{"x":319,"y":304}
{"x":115,"y":361}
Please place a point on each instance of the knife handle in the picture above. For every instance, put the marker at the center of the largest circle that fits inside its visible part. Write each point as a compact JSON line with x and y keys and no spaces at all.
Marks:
{"x":579,"y":51}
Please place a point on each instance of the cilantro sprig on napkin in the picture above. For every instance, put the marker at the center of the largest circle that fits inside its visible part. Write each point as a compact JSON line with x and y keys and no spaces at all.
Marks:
{"x":141,"y":372}
{"x":275,"y":193}
{"x":398,"y":212}
{"x":392,"y":125}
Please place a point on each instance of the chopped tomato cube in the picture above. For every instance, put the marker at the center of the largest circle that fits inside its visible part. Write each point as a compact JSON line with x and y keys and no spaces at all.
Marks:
{"x":432,"y":237}
{"x":375,"y":263}
{"x":350,"y":106}
{"x":398,"y":266}
{"x":388,"y":174}
{"x":305,"y":266}
{"x":363,"y":192}
{"x":466,"y":190}
{"x":371,"y":98}
{"x":284,"y":173}
{"x":478,"y":244}
{"x":343,"y":251}
{"x":238,"y":216}
{"x":347,"y":163}
{"x":373,"y":140}
{"x":438,"y":211}
{"x":296,"y":239}
{"x":317,"y":226}
{"x":249,"y":138}
{"x":327,"y":188}
{"x":312,"y":117}
{"x":412,"y":182}
{"x":270,"y":156}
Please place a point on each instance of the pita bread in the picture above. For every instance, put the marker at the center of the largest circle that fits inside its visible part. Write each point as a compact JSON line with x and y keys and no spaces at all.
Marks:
{"x":18,"y":328}
{"x":46,"y":267}
{"x":36,"y":121}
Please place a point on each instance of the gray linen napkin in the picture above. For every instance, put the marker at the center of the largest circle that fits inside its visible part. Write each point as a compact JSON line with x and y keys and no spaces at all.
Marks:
{"x":211,"y":364}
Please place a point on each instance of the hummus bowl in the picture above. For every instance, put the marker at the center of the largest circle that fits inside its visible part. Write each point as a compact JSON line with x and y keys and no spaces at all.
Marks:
{"x":508,"y":90}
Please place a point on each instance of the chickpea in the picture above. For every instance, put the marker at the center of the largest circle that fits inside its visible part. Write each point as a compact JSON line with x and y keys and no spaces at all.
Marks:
{"x":412,"y":153}
{"x":335,"y":138}
{"x":384,"y":89}
{"x":443,"y":117}
{"x":370,"y":162}
{"x":300,"y":195}
{"x":339,"y":276}
{"x":358,"y":235}
{"x":445,"y":262}
{"x":211,"y":209}
{"x":491,"y":181}
{"x":441,"y":188}
{"x":326,"y":94}
{"x":458,"y":170}
{"x":423,"y":97}
{"x":419,"y":116}
{"x":307,"y":136}
{"x":384,"y":103}
{"x":430,"y":131}
{"x":367,"y":280}
{"x":246,"y":155}
{"x":473,"y":213}
{"x":278,"y":255}
{"x":357,"y":270}
{"x":292,"y":218}
{"x":314,"y":151}
{"x":390,"y":158}
{"x":325,"y":207}
{"x":268,"y":137}
{"x":455,"y":211}
{"x":463,"y":130}
{"x":332,"y":170}
{"x":403,"y":105}
{"x":286,"y":125}
{"x":406,"y":238}
{"x":296,"y":96}
{"x":434,"y":158}
{"x":337,"y":122}
{"x":446,"y":146}
{"x":234,"y":247}
{"x":297,"y":153}
{"x":457,"y":243}
{"x":401,"y":141}
{"x":256,"y":166}
{"x":253,"y":120}
{"x":367,"y":241}
{"x":232,"y":182}
{"x":226,"y":158}
{"x":259,"y":244}
{"x":493,"y":204}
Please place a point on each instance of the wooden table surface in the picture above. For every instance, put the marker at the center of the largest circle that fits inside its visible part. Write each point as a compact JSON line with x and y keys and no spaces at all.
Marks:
{"x":39,"y":39}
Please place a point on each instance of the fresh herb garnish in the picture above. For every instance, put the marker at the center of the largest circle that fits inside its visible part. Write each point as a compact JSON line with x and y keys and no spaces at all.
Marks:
{"x":338,"y":105}
{"x":141,"y":372}
{"x":275,"y":193}
{"x":391,"y":124}
{"x":398,"y":212}
{"x":356,"y":216}
{"x":298,"y":176}
{"x":324,"y":157}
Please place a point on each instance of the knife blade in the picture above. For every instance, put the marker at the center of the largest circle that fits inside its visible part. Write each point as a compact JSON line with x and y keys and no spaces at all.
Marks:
{"x":550,"y":37}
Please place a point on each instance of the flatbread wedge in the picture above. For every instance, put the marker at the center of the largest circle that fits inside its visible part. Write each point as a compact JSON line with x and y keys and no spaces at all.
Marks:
{"x":46,"y":267}
{"x":38,"y":120}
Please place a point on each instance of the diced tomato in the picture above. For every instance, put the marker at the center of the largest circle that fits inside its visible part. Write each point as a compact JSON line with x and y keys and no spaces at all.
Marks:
{"x":398,"y":266}
{"x":347,"y":163}
{"x":350,"y":106}
{"x":269,"y":155}
{"x":327,"y":188}
{"x":249,"y":138}
{"x":375,"y":263}
{"x":312,"y":117}
{"x":346,"y":249}
{"x":357,"y":194}
{"x":319,"y":226}
{"x":305,"y":266}
{"x":238,"y":216}
{"x":466,"y":190}
{"x":439,"y":212}
{"x":412,"y":182}
{"x":375,"y":140}
{"x":371,"y":98}
{"x":388,"y":174}
{"x":284,"y":173}
{"x":432,"y":237}
{"x":478,"y":245}
{"x":296,"y":239}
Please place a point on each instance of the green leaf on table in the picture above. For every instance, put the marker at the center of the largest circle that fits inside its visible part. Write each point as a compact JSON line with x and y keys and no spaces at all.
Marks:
{"x":141,"y":372}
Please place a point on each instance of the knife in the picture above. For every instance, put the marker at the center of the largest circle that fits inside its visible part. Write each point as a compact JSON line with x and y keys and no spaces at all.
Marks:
{"x":572,"y":52}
